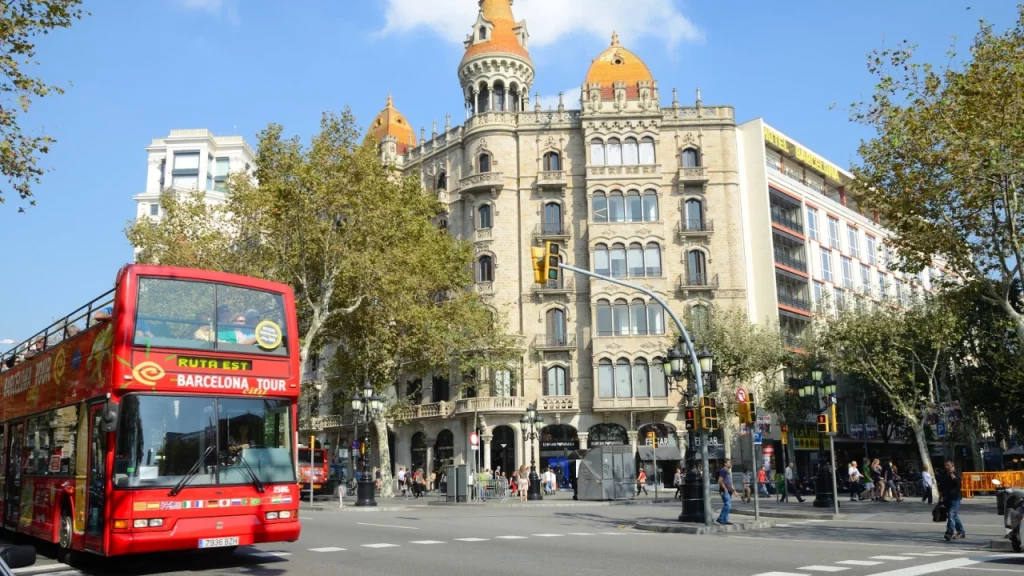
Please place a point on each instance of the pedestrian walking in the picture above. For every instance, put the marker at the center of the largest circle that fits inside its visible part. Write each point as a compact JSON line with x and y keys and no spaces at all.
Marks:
{"x":857,"y":486}
{"x":677,"y":481}
{"x":401,"y":481}
{"x":762,"y":482}
{"x":726,"y":490}
{"x":893,"y":480}
{"x":949,"y":496}
{"x":926,"y":486}
{"x":641,"y":482}
{"x":748,"y":480}
{"x":791,"y":483}
{"x":878,"y":481}
{"x":524,"y":484}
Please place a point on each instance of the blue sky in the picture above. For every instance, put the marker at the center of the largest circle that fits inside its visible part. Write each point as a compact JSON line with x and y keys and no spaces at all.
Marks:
{"x":139,"y":69}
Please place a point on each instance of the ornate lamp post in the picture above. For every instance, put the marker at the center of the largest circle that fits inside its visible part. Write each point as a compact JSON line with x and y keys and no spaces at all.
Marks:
{"x":366,"y":406}
{"x":820,"y":392}
{"x":696,"y":494}
{"x":529,"y":424}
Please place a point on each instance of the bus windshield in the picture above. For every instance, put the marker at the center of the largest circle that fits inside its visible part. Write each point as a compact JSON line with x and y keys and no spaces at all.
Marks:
{"x":161,"y":438}
{"x":318,"y":455}
{"x":209,"y":316}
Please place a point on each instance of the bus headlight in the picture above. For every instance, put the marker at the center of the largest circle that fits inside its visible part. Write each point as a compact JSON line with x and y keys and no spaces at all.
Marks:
{"x":140,"y":523}
{"x":156,"y":522}
{"x":148,"y":523}
{"x":285,"y":514}
{"x":271,"y":515}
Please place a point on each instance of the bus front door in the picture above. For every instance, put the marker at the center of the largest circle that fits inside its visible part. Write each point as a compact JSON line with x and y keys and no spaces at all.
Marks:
{"x":12,"y":481}
{"x":96,"y":493}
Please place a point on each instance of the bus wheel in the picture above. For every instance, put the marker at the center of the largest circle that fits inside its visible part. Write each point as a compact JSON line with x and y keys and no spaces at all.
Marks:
{"x":64,"y":538}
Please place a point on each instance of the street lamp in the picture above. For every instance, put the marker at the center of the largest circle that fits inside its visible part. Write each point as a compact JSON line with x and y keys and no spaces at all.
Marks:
{"x":366,"y":406}
{"x":693,"y":501}
{"x":820,"y":392}
{"x":529,"y":424}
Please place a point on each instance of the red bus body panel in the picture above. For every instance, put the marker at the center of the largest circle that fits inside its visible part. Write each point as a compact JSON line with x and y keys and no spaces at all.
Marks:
{"x":103,"y":360}
{"x":320,"y":472}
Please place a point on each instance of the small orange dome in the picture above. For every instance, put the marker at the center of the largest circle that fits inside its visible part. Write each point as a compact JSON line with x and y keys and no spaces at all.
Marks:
{"x":616,"y":64}
{"x":502,"y":39}
{"x":390,"y":122}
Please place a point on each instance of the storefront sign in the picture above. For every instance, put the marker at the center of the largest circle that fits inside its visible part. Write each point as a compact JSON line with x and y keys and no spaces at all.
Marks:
{"x":802,"y":154}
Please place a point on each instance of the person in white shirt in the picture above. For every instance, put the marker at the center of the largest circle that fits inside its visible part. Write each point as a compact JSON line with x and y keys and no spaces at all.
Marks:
{"x":926,"y":485}
{"x":401,"y":481}
{"x":855,"y":478}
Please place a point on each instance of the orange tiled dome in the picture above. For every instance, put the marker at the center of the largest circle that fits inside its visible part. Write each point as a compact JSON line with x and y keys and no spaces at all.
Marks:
{"x":390,"y":122}
{"x":502,"y":38}
{"x":616,"y":64}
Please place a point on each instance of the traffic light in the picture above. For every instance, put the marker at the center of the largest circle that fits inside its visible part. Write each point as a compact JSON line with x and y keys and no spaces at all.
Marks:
{"x":784,"y":428}
{"x":832,"y":421}
{"x":822,"y":424}
{"x":551,"y":262}
{"x":690,"y":417}
{"x":708,"y":414}
{"x":746,"y":415}
{"x":538,"y":265}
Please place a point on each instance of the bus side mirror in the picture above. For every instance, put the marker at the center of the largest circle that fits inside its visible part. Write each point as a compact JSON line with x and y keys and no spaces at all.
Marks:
{"x":109,"y":422}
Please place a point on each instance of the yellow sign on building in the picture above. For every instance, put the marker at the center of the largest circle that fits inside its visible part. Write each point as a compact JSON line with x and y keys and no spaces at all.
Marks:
{"x":802,"y":154}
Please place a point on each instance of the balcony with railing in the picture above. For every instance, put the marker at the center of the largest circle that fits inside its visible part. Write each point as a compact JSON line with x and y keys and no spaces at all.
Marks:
{"x":620,"y":172}
{"x":787,"y":221}
{"x":558,"y":404}
{"x":689,"y":227}
{"x":608,"y":404}
{"x":558,"y":287}
{"x":492,"y":405}
{"x":694,"y":175}
{"x":794,"y":302}
{"x":554,"y":342}
{"x":552,"y":231}
{"x":552,"y":179}
{"x":790,"y":261}
{"x":697,"y":282}
{"x":488,"y":182}
{"x":420,"y":411}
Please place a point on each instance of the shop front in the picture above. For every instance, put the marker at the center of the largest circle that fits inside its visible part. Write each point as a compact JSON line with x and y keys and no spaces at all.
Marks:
{"x":658,"y":453}
{"x":558,"y":442}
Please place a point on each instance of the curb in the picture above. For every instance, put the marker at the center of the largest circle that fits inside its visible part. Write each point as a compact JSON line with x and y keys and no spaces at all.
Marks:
{"x":558,"y":504}
{"x":1002,"y":545}
{"x":788,"y":515}
{"x":668,"y":527}
{"x":353,"y":508}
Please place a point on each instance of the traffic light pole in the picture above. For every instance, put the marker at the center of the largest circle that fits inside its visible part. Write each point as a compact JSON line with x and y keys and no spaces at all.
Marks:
{"x":696,"y":370}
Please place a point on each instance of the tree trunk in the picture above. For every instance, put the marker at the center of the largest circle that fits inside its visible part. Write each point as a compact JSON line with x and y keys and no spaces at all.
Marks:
{"x":386,"y":488}
{"x":922,"y":447}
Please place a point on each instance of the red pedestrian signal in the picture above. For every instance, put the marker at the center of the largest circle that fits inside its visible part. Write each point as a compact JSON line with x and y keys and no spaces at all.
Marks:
{"x":822,"y":424}
{"x":690,"y":417}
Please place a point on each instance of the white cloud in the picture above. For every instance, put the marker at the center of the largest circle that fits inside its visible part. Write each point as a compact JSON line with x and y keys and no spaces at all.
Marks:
{"x":220,"y":8}
{"x":549,"y":20}
{"x":571,"y":100}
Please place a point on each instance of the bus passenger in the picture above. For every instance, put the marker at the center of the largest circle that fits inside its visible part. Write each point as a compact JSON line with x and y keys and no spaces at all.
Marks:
{"x":225,"y":331}
{"x":106,"y":313}
{"x":205,"y":331}
{"x":35,"y":349}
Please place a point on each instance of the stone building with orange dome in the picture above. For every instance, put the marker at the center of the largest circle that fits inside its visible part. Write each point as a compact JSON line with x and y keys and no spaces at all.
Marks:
{"x":630,"y":189}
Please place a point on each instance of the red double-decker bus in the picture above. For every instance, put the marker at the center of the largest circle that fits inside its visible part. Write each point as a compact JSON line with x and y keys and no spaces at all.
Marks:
{"x":314,"y":470}
{"x":160,"y":416}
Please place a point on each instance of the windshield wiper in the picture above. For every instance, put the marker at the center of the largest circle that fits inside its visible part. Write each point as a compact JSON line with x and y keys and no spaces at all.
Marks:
{"x":192,"y":472}
{"x":252,"y":474}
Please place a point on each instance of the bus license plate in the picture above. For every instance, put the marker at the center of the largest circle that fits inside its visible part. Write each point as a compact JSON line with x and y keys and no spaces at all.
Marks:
{"x":218,"y":542}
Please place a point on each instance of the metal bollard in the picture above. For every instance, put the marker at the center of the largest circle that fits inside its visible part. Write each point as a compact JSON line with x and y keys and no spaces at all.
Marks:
{"x":1000,"y":500}
{"x":693,"y":497}
{"x":341,"y":494}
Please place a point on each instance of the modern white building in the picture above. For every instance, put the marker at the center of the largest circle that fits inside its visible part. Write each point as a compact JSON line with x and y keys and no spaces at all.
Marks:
{"x":188,"y":160}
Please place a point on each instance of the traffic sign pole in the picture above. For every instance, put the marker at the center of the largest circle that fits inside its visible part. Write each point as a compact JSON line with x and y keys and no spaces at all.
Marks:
{"x":753,"y":457}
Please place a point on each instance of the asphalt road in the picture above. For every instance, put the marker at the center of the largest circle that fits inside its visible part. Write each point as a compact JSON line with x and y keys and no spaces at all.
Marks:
{"x":886,"y":539}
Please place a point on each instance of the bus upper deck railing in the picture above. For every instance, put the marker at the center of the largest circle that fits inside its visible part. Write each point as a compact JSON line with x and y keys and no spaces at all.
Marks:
{"x":67,"y":327}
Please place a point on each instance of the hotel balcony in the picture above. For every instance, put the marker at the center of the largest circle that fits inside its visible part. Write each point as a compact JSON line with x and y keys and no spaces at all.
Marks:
{"x":790,"y":261}
{"x":694,"y":227}
{"x":487,"y":182}
{"x":799,"y":303}
{"x":491,"y":405}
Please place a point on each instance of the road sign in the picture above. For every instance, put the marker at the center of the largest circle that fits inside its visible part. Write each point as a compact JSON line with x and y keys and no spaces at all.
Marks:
{"x":940,"y":429}
{"x":474,"y":441}
{"x":741,"y":395}
{"x":757,"y":438}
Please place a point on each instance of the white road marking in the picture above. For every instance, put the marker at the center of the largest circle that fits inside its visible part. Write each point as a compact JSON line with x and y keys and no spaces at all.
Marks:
{"x":929,"y":568}
{"x":783,"y":525}
{"x":382,"y":545}
{"x":780,"y":574}
{"x":817,"y":520}
{"x":817,"y":568}
{"x":68,"y":572}
{"x":388,"y":526}
{"x":472,"y":539}
{"x":548,"y":535}
{"x":859,"y":562}
{"x":57,"y":567}
{"x":922,"y":553}
{"x":993,"y":569}
{"x":581,"y":533}
{"x":892,"y":557}
{"x":511,"y":537}
{"x":271,"y":554}
{"x":427,"y":542}
{"x":613,"y":533}
{"x":327,"y":549}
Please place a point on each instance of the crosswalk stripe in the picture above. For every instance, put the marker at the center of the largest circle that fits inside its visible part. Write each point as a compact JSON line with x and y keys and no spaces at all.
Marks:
{"x":581,"y":533}
{"x":271,"y":554}
{"x":818,"y":568}
{"x":511,"y":537}
{"x":68,"y":572}
{"x":921,"y":553}
{"x":381,"y":545}
{"x":783,"y":525}
{"x":548,"y":535}
{"x":327,"y":549}
{"x":472,"y":539}
{"x":892,"y":557}
{"x":781,"y":574}
{"x":859,"y":562}
{"x":40,"y":568}
{"x":426,"y":542}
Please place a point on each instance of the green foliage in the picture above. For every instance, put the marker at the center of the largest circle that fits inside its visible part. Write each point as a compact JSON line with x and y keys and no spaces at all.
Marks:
{"x":21,"y":21}
{"x":944,"y":169}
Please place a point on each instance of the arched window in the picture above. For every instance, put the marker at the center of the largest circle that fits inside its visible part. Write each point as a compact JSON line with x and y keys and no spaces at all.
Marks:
{"x":694,"y":219}
{"x":620,"y":317}
{"x":651,"y":206}
{"x":604,"y":318}
{"x":554,"y":382}
{"x":555,"y":323}
{"x":483,"y":33}
{"x":600,"y":203}
{"x":485,"y":269}
{"x":623,"y":381}
{"x":658,"y":385}
{"x":655,"y":319}
{"x":699,"y":317}
{"x":442,"y":181}
{"x":630,"y":152}
{"x":499,"y":97}
{"x":483,"y":100}
{"x":601,"y":265}
{"x":605,"y":379}
{"x":614,"y":152}
{"x":616,"y":207}
{"x":691,"y":158}
{"x":618,"y":260}
{"x":635,"y":259}
{"x":552,"y":218}
{"x":552,"y":162}
{"x":641,"y":379}
{"x":634,"y":207}
{"x":638,"y":317}
{"x":484,"y":220}
{"x":485,"y":163}
{"x":513,"y":97}
{"x":647,"y":150}
{"x":696,"y":268}
{"x":652,"y":259}
{"x":596,"y":152}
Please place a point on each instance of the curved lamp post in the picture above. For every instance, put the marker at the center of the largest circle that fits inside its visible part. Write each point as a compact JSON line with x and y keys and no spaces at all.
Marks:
{"x":819,"y":390}
{"x":366,"y":406}
{"x":529,"y":424}
{"x":677,"y":368}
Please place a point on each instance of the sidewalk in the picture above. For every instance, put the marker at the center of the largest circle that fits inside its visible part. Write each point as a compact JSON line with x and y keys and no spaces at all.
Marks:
{"x":771,"y":507}
{"x":562,"y":498}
